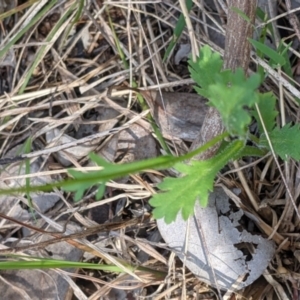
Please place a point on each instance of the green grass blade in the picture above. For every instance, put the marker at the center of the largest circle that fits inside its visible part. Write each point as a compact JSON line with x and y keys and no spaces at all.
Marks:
{"x":53,"y":263}
{"x":34,"y":20}
{"x":275,"y":57}
{"x":178,"y":30}
{"x":287,"y":67}
{"x":117,"y":42}
{"x":47,"y":263}
{"x":17,"y":9}
{"x":43,"y":49}
{"x":79,"y":11}
{"x":27,"y":149}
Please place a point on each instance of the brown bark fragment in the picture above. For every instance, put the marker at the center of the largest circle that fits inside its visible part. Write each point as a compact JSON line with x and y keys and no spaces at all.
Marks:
{"x":237,"y":47}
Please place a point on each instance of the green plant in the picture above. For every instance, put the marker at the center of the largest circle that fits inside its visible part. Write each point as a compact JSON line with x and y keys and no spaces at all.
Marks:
{"x":238,"y":101}
{"x":18,"y":262}
{"x":230,"y":92}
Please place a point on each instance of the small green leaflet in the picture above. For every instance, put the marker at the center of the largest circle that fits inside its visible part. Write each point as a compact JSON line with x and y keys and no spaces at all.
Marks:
{"x":80,"y":188}
{"x":267,"y":108}
{"x":204,"y":70}
{"x":180,"y":194}
{"x":285,"y":141}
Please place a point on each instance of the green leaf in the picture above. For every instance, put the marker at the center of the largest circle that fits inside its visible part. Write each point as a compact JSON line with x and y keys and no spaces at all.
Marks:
{"x":283,"y":50}
{"x":178,"y":30}
{"x":247,"y":151}
{"x":83,"y":181}
{"x":204,"y":70}
{"x":80,"y":187}
{"x":180,"y":194}
{"x":276,"y":58}
{"x":101,"y":162}
{"x":267,"y":108}
{"x":285,"y":141}
{"x":263,"y":17}
{"x":100,"y":192}
{"x":230,"y":94}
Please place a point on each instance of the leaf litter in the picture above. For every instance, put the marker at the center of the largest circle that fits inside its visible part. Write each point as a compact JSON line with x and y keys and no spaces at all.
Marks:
{"x":65,"y":95}
{"x":233,"y":252}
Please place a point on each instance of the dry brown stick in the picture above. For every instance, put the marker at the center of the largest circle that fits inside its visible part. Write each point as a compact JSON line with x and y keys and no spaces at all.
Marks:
{"x":293,"y":18}
{"x":60,"y":237}
{"x":237,"y":54}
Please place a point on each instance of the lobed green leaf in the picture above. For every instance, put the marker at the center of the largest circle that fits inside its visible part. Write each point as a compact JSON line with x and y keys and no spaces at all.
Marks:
{"x":229,"y":92}
{"x":285,"y":141}
{"x":267,"y":108}
{"x":180,"y":194}
{"x":204,"y":70}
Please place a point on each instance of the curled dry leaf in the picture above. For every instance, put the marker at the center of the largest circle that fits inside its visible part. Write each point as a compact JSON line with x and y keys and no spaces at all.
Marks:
{"x":179,"y":115}
{"x":218,"y":242}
